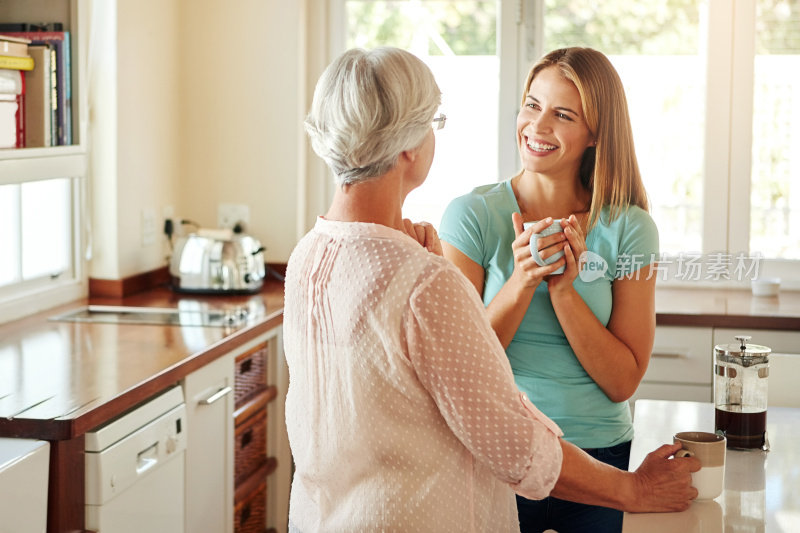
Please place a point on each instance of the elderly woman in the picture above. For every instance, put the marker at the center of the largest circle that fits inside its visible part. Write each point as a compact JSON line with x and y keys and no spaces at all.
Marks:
{"x":402,"y":411}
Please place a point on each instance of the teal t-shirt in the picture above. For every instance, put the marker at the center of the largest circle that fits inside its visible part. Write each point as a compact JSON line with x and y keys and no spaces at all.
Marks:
{"x":544,"y":365}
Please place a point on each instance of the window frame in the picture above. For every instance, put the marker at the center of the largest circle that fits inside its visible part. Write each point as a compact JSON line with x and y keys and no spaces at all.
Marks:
{"x":730,"y":63}
{"x":27,"y":297}
{"x":730,"y":37}
{"x":512,"y":74}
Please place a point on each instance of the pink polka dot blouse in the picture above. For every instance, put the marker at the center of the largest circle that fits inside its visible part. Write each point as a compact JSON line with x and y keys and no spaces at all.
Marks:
{"x":402,"y":411}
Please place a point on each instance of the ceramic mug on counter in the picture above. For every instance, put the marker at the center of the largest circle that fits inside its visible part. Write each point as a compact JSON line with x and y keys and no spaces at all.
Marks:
{"x":709,"y":449}
{"x":552,"y":229}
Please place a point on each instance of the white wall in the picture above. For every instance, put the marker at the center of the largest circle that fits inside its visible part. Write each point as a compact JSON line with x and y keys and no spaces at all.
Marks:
{"x":133,"y":144}
{"x":240,"y":107}
{"x":193,"y":103}
{"x":148,"y":161}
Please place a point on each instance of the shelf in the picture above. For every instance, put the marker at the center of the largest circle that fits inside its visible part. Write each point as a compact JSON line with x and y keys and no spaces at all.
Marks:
{"x":40,"y":151}
{"x":37,"y":163}
{"x":42,"y":163}
{"x":258,"y":477}
{"x":256,"y":403}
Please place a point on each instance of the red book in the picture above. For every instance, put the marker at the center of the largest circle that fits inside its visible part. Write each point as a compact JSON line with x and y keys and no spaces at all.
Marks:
{"x":21,"y":113}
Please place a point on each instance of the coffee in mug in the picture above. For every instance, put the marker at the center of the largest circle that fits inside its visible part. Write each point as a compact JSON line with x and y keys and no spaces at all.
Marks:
{"x":552,"y":229}
{"x":709,"y":449}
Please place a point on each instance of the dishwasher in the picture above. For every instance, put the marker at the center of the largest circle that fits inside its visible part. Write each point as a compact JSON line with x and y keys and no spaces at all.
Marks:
{"x":135,"y":469}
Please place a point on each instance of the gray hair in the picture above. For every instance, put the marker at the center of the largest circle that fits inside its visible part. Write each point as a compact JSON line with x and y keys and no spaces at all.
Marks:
{"x":369,"y":106}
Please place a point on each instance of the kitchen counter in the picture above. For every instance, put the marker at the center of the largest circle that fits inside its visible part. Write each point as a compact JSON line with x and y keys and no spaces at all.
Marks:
{"x":60,"y":379}
{"x":727,"y":308}
{"x":762,"y":489}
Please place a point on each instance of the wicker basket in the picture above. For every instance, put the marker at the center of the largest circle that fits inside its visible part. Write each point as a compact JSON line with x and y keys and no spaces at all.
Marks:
{"x":251,"y":375}
{"x":251,"y":445}
{"x":250,"y":514}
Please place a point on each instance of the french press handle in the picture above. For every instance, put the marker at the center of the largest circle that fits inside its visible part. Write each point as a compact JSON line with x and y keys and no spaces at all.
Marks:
{"x":743,"y":340}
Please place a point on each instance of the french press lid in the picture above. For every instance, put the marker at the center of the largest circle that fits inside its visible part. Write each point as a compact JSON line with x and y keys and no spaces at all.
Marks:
{"x":742,"y":353}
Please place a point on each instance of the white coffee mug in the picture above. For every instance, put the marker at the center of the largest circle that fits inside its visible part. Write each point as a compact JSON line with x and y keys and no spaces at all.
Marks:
{"x":709,"y":449}
{"x":552,"y":229}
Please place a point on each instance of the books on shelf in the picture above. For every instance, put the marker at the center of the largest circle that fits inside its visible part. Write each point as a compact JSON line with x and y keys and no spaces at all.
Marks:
{"x":31,"y":26}
{"x":13,"y":46}
{"x":59,"y":42}
{"x":39,"y":86}
{"x":12,"y":108}
{"x":16,"y":62}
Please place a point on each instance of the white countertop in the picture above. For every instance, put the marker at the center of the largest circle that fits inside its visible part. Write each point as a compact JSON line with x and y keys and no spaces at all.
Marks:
{"x":762,"y":489}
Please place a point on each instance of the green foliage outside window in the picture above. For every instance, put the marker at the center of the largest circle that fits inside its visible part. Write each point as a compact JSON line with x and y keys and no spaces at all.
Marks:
{"x":467,"y":27}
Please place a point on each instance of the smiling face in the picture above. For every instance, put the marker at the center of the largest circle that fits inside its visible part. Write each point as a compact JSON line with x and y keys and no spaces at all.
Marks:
{"x":551,"y":131}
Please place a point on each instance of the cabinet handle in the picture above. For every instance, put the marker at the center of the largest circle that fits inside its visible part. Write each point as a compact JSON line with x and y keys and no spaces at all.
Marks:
{"x":216,"y":396}
{"x":247,"y":438}
{"x":670,"y":355}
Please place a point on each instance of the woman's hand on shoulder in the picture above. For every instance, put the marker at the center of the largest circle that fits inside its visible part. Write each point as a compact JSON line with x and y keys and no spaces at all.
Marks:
{"x":425,"y":234}
{"x":527,"y":271}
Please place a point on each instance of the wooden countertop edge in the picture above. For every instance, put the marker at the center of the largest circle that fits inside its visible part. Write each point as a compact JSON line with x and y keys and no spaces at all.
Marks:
{"x":728,"y":321}
{"x":70,"y":428}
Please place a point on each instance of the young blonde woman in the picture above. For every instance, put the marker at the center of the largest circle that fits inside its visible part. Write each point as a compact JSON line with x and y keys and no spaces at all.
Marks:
{"x":578,"y":342}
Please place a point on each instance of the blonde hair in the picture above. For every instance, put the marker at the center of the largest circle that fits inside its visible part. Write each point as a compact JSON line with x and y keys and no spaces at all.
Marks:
{"x":608,"y":171}
{"x":368,"y":107}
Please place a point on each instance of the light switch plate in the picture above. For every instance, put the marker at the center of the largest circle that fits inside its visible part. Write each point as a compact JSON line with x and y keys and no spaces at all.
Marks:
{"x":149,"y":226}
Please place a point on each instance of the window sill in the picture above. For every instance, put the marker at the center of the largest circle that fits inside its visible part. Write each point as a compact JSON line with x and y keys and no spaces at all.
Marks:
{"x":40,"y":299}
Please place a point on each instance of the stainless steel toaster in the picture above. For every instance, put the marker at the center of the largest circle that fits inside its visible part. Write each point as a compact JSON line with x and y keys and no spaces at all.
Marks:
{"x":217,"y":261}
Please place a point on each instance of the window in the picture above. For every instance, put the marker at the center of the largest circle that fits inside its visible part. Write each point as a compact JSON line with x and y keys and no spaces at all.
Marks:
{"x":35,"y":230}
{"x":457,"y":39}
{"x":712,"y":87}
{"x":38,"y":235}
{"x":657,"y":48}
{"x":714,"y":188}
{"x":775,"y":171}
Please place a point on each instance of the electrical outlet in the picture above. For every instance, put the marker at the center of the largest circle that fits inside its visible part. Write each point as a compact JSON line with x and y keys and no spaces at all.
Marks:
{"x":228,"y":215}
{"x":149,"y":226}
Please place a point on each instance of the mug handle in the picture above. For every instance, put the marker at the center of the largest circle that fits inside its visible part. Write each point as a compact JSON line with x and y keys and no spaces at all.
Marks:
{"x":535,"y":250}
{"x":684,"y":453}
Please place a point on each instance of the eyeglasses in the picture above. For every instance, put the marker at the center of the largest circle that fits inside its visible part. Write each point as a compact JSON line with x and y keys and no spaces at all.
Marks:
{"x":438,"y":122}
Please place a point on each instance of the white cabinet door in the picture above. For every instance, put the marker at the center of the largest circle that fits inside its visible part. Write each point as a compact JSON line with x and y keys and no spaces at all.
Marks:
{"x":209,"y":454}
{"x":681,"y":355}
{"x":279,"y":483}
{"x":673,"y":391}
{"x":680,"y":366}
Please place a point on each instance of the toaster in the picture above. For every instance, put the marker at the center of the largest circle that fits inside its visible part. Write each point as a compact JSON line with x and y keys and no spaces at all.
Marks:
{"x":217,"y":261}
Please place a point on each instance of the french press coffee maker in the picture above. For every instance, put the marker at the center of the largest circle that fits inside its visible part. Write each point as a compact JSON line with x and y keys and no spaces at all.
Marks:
{"x":741,"y":371}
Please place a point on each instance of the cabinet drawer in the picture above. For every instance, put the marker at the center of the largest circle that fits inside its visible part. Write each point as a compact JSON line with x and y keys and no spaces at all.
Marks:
{"x":782,"y":387}
{"x":251,"y":374}
{"x":681,"y":355}
{"x":673,"y":391}
{"x":250,"y":514}
{"x":251,"y":445}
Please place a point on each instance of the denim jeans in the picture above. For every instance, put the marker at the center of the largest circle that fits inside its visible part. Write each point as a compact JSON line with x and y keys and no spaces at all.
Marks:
{"x":564,"y":516}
